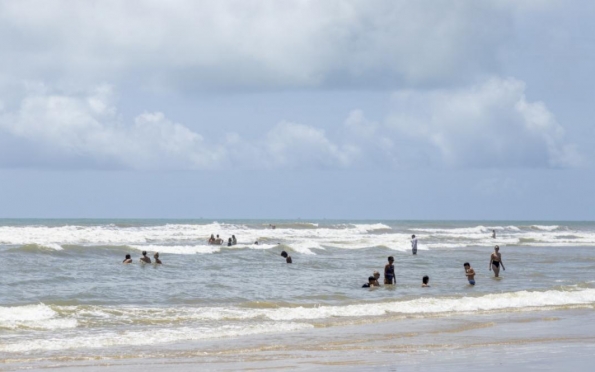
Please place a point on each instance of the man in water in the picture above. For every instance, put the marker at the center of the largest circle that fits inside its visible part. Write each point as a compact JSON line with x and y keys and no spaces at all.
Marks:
{"x":496,"y":261}
{"x":370,"y":283}
{"x":144,"y":258}
{"x":218,"y":241}
{"x":157,"y":260}
{"x":413,"y":244}
{"x":424,"y":281}
{"x":127,"y":259}
{"x":470,"y":273}
{"x":376,"y":276}
{"x":287,"y":257}
{"x":389,"y":272}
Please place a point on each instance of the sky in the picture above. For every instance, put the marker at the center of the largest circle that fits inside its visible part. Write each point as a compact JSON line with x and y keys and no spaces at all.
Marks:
{"x":371,"y":109}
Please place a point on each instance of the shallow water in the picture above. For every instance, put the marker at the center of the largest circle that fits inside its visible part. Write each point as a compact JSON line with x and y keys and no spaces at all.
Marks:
{"x":64,"y":291}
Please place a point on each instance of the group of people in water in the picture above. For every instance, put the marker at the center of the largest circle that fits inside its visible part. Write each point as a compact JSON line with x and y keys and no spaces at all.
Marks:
{"x":143,"y":258}
{"x":218,"y":241}
{"x":390,"y":278}
{"x":389,"y":268}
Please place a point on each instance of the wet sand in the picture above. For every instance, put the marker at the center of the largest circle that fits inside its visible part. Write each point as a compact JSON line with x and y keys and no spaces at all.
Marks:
{"x":549,"y":340}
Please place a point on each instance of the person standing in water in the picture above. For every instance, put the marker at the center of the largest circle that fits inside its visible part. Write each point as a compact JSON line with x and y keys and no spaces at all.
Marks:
{"x":156,"y":257}
{"x":389,"y":272}
{"x":234,"y":241}
{"x":470,"y":273}
{"x":496,"y":261}
{"x":425,"y":281}
{"x":287,"y":257}
{"x":218,"y":241}
{"x":144,"y":258}
{"x":413,"y":244}
{"x":493,"y":234}
{"x":127,"y":259}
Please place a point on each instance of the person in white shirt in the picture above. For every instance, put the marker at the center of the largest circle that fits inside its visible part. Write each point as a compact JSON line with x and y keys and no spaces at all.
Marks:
{"x":413,"y":244}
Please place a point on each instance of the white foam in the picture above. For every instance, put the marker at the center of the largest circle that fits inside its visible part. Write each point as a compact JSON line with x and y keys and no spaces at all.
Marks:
{"x":190,"y":323}
{"x":192,"y":239}
{"x":510,"y":300}
{"x":371,"y":227}
{"x":149,"y":337}
{"x":33,"y":316}
{"x":546,"y":228}
{"x":514,"y":300}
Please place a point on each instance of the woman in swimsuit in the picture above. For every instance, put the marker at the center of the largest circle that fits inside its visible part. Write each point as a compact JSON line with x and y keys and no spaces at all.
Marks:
{"x":496,"y":261}
{"x":389,"y":272}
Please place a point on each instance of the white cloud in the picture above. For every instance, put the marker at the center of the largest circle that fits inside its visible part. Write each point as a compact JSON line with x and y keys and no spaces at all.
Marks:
{"x":266,"y":44}
{"x":294,"y":145}
{"x":85,"y":130}
{"x":486,"y":125}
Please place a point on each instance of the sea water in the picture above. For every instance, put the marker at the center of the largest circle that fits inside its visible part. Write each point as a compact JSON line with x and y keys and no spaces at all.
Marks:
{"x":64,"y":292}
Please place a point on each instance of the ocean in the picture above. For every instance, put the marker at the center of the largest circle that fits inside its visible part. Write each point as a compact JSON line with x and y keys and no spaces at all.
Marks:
{"x":66,"y":297}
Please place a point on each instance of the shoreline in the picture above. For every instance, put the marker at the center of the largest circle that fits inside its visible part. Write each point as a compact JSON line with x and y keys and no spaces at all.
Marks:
{"x":545,"y":340}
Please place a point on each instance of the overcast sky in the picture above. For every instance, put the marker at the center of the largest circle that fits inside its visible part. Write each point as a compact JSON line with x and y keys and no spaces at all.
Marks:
{"x":345,"y":109}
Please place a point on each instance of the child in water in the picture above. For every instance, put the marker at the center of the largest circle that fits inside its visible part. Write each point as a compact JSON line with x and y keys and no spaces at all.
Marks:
{"x":376,"y":276}
{"x":470,"y":273}
{"x":370,"y":283}
{"x":424,"y":281}
{"x":389,"y":272}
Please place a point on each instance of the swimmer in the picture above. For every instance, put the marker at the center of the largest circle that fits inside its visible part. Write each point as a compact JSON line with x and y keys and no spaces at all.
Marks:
{"x":233,"y":240}
{"x":218,"y":241}
{"x":229,"y":243}
{"x":424,"y":281}
{"x":144,"y":258}
{"x":389,"y":272}
{"x":127,"y":259}
{"x":470,"y":273}
{"x":287,"y":257}
{"x":370,"y":283}
{"x":256,"y":242}
{"x":156,"y":257}
{"x":413,"y":244}
{"x":212,"y":239}
{"x":376,"y":276}
{"x":496,"y":261}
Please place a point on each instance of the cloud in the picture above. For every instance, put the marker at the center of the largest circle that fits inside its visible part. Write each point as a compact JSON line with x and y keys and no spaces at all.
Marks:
{"x":492,"y":124}
{"x":85,"y":130}
{"x":88,"y":129}
{"x":292,"y":145}
{"x":236,"y":44}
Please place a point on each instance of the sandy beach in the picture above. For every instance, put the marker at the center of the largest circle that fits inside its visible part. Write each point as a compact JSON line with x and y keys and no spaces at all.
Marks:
{"x":549,"y":340}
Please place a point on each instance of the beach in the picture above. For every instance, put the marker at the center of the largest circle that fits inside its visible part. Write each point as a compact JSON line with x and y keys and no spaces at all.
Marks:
{"x":550,"y":340}
{"x":68,"y":302}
